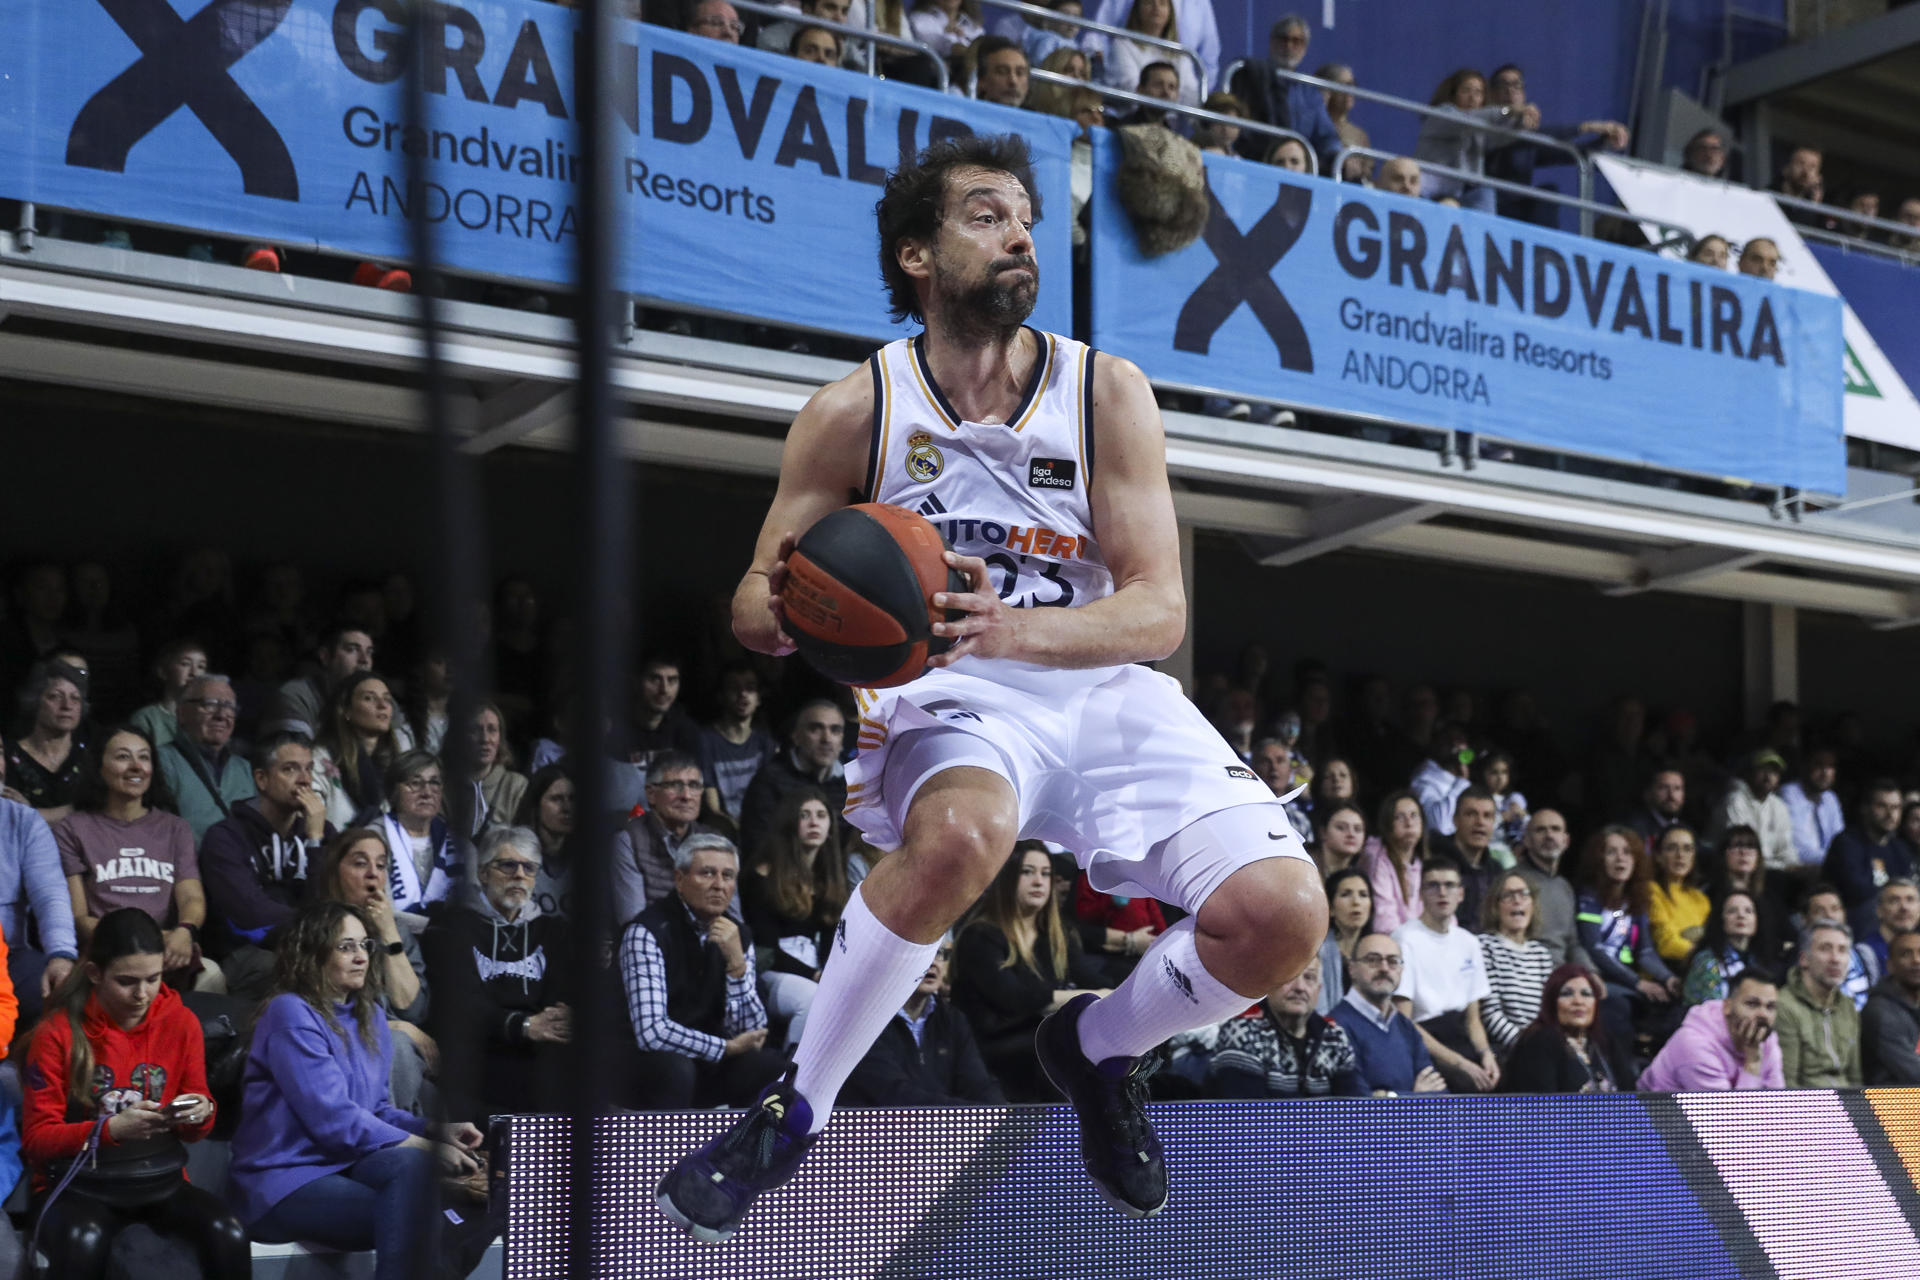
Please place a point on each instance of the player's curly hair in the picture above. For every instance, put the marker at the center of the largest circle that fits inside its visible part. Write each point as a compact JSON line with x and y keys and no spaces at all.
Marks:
{"x":915,"y":200}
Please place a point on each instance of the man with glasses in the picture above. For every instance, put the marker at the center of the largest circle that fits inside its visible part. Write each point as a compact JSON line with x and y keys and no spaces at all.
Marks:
{"x":1516,"y":161}
{"x":497,"y":961}
{"x":1273,"y":99}
{"x":687,"y":967}
{"x":1444,"y":981}
{"x":716,"y":20}
{"x":644,"y":852}
{"x":927,"y":1056}
{"x":1393,"y":1058}
{"x":206,"y":776}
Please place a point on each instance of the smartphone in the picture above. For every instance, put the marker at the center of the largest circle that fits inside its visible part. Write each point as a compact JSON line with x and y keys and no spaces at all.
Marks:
{"x":183,"y":1104}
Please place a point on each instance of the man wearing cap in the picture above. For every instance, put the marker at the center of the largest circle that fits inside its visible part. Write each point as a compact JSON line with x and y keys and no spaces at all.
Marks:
{"x":1753,"y":800}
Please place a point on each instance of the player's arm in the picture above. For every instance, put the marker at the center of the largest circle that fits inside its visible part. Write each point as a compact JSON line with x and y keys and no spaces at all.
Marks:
{"x":823,"y":463}
{"x":1145,"y":618}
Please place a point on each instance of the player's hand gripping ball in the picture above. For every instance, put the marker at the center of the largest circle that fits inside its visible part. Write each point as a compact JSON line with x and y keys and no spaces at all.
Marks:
{"x":858,"y":599}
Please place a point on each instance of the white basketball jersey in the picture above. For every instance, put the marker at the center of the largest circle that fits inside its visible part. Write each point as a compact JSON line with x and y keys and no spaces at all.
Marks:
{"x":1013,"y":493}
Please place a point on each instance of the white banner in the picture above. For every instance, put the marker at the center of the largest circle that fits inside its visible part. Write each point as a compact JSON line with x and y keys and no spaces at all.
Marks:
{"x":1879,"y":405}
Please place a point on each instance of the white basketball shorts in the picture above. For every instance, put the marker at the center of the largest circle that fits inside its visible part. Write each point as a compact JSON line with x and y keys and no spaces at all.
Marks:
{"x":1113,"y":764}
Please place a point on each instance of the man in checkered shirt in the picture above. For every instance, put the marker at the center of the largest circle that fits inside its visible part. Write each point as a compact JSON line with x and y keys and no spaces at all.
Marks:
{"x":688,"y":971}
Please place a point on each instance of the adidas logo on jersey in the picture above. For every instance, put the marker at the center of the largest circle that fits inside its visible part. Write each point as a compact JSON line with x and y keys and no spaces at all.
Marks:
{"x":933,"y":506}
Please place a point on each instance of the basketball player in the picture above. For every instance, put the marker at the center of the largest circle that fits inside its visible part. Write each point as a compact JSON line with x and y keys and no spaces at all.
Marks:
{"x":1045,"y":466}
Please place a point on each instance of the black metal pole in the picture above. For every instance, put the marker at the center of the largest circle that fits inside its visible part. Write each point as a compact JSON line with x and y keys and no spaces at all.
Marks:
{"x":600,"y":603}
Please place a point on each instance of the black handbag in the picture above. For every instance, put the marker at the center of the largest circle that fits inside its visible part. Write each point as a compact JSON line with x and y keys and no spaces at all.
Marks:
{"x":127,"y":1175}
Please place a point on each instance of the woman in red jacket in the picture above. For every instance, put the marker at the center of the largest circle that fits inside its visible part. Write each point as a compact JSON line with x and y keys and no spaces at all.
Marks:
{"x":120,"y":1052}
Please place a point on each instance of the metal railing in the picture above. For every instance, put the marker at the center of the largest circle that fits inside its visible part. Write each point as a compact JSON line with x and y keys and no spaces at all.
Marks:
{"x":1180,"y":108}
{"x":1910,"y":256}
{"x":1686,"y":237}
{"x":847,"y":32}
{"x":1088,"y":24}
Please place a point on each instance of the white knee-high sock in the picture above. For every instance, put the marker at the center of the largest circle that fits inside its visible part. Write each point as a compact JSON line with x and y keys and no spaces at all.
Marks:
{"x":870,"y":972}
{"x":1168,"y":992}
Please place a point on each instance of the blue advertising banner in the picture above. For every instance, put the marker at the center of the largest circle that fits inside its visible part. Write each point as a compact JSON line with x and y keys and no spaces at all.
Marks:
{"x":1341,"y":298}
{"x":747,"y":179}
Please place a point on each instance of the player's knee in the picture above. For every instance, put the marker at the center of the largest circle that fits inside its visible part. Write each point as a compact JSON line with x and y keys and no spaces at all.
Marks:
{"x":967,"y":846}
{"x":1272,"y":914}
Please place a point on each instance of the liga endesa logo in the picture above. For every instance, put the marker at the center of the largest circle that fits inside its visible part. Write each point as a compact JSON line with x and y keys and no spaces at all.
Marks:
{"x":184,"y":62}
{"x":1245,"y":274}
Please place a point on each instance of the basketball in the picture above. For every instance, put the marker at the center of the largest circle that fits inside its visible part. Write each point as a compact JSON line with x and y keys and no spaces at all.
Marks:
{"x":859,"y":595}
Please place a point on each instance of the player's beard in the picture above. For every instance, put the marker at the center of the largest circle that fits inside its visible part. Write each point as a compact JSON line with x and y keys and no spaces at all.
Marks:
{"x":1000,"y":301}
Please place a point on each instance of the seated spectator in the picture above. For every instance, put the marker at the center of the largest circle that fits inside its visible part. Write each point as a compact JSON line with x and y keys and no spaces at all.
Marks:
{"x":1160,"y":81}
{"x":1392,"y":860}
{"x":1817,"y":1025}
{"x":429,"y":699}
{"x":1443,"y":986}
{"x":716,"y":20}
{"x":1334,"y":782}
{"x":816,"y":45}
{"x":1475,"y":819}
{"x":1753,"y":800}
{"x":1349,"y":919}
{"x":1392,"y":1055}
{"x":1822,"y":906}
{"x":791,"y":898}
{"x":999,"y":71}
{"x":1290,"y":154}
{"x":1115,"y":930}
{"x":1271,"y":98}
{"x":1285,"y":774}
{"x":1566,"y":1050}
{"x":811,"y":759}
{"x":32,"y":885}
{"x":1127,"y":60}
{"x":205,"y":775}
{"x":345,"y":651}
{"x":1814,"y":806}
{"x":1015,"y":962}
{"x":497,"y":788}
{"x":778,"y":35}
{"x":1287,"y":1048}
{"x":497,"y":960}
{"x":1890,"y":1024}
{"x":255,"y":862}
{"x":176,"y":666}
{"x":1041,"y":39}
{"x":353,"y":750}
{"x":646,"y":851}
{"x":1896,"y":910}
{"x":1760,"y":257}
{"x":1615,"y":887}
{"x":1705,"y":154}
{"x":927,"y":1056}
{"x":1741,"y":868}
{"x":1461,"y":138}
{"x":1800,"y":178}
{"x":734,"y":746}
{"x":1199,"y":28}
{"x":1342,"y":836}
{"x":1723,"y":1044}
{"x":1517,"y":161}
{"x":1731,"y":942}
{"x":1677,"y":907}
{"x":44,"y":766}
{"x":1495,"y":772}
{"x":31,"y":631}
{"x":946,"y":26}
{"x":1661,"y":802}
{"x":427,"y":863}
{"x":1442,"y":776}
{"x":121,"y":848}
{"x":1711,"y":251}
{"x":660,"y":723}
{"x":1057,"y":99}
{"x":1542,"y":846}
{"x":547,"y":810}
{"x":1219,"y":139}
{"x":120,"y":1051}
{"x":1517,"y":962}
{"x":1400,"y":176}
{"x":1865,"y":856}
{"x":355,"y":869}
{"x":1908,"y":213}
{"x":691,"y":994}
{"x":321,"y":1154}
{"x":1339,"y":110}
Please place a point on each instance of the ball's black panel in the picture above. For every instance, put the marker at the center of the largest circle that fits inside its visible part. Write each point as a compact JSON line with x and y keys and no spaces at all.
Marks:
{"x":855,"y":548}
{"x":853,"y":664}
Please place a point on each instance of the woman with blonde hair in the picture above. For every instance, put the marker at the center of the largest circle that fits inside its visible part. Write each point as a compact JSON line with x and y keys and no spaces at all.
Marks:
{"x":1126,"y":59}
{"x":1056,"y":99}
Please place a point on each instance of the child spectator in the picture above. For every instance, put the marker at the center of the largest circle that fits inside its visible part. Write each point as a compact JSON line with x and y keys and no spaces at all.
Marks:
{"x":178,"y":664}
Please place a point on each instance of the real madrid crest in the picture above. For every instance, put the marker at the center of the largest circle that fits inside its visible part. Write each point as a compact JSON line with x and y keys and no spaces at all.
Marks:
{"x":924,"y":462}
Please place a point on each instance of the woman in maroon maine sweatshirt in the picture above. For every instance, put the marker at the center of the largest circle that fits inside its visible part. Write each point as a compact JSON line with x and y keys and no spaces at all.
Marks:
{"x":117,"y":1044}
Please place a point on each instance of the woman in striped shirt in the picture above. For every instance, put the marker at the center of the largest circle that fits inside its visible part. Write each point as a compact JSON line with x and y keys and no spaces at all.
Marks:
{"x":1517,"y":961}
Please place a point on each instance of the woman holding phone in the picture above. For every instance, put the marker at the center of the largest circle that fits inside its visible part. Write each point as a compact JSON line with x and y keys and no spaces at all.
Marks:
{"x":119,"y":1051}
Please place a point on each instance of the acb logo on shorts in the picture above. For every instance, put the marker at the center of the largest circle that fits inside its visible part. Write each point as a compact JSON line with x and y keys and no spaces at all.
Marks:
{"x":924,"y":462}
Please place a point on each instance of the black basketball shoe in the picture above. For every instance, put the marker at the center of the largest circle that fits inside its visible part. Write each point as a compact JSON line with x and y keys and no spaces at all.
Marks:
{"x":1117,"y":1143}
{"x":708,"y":1192}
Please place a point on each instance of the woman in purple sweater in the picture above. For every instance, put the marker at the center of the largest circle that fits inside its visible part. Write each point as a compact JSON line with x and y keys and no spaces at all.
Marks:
{"x":322,"y":1154}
